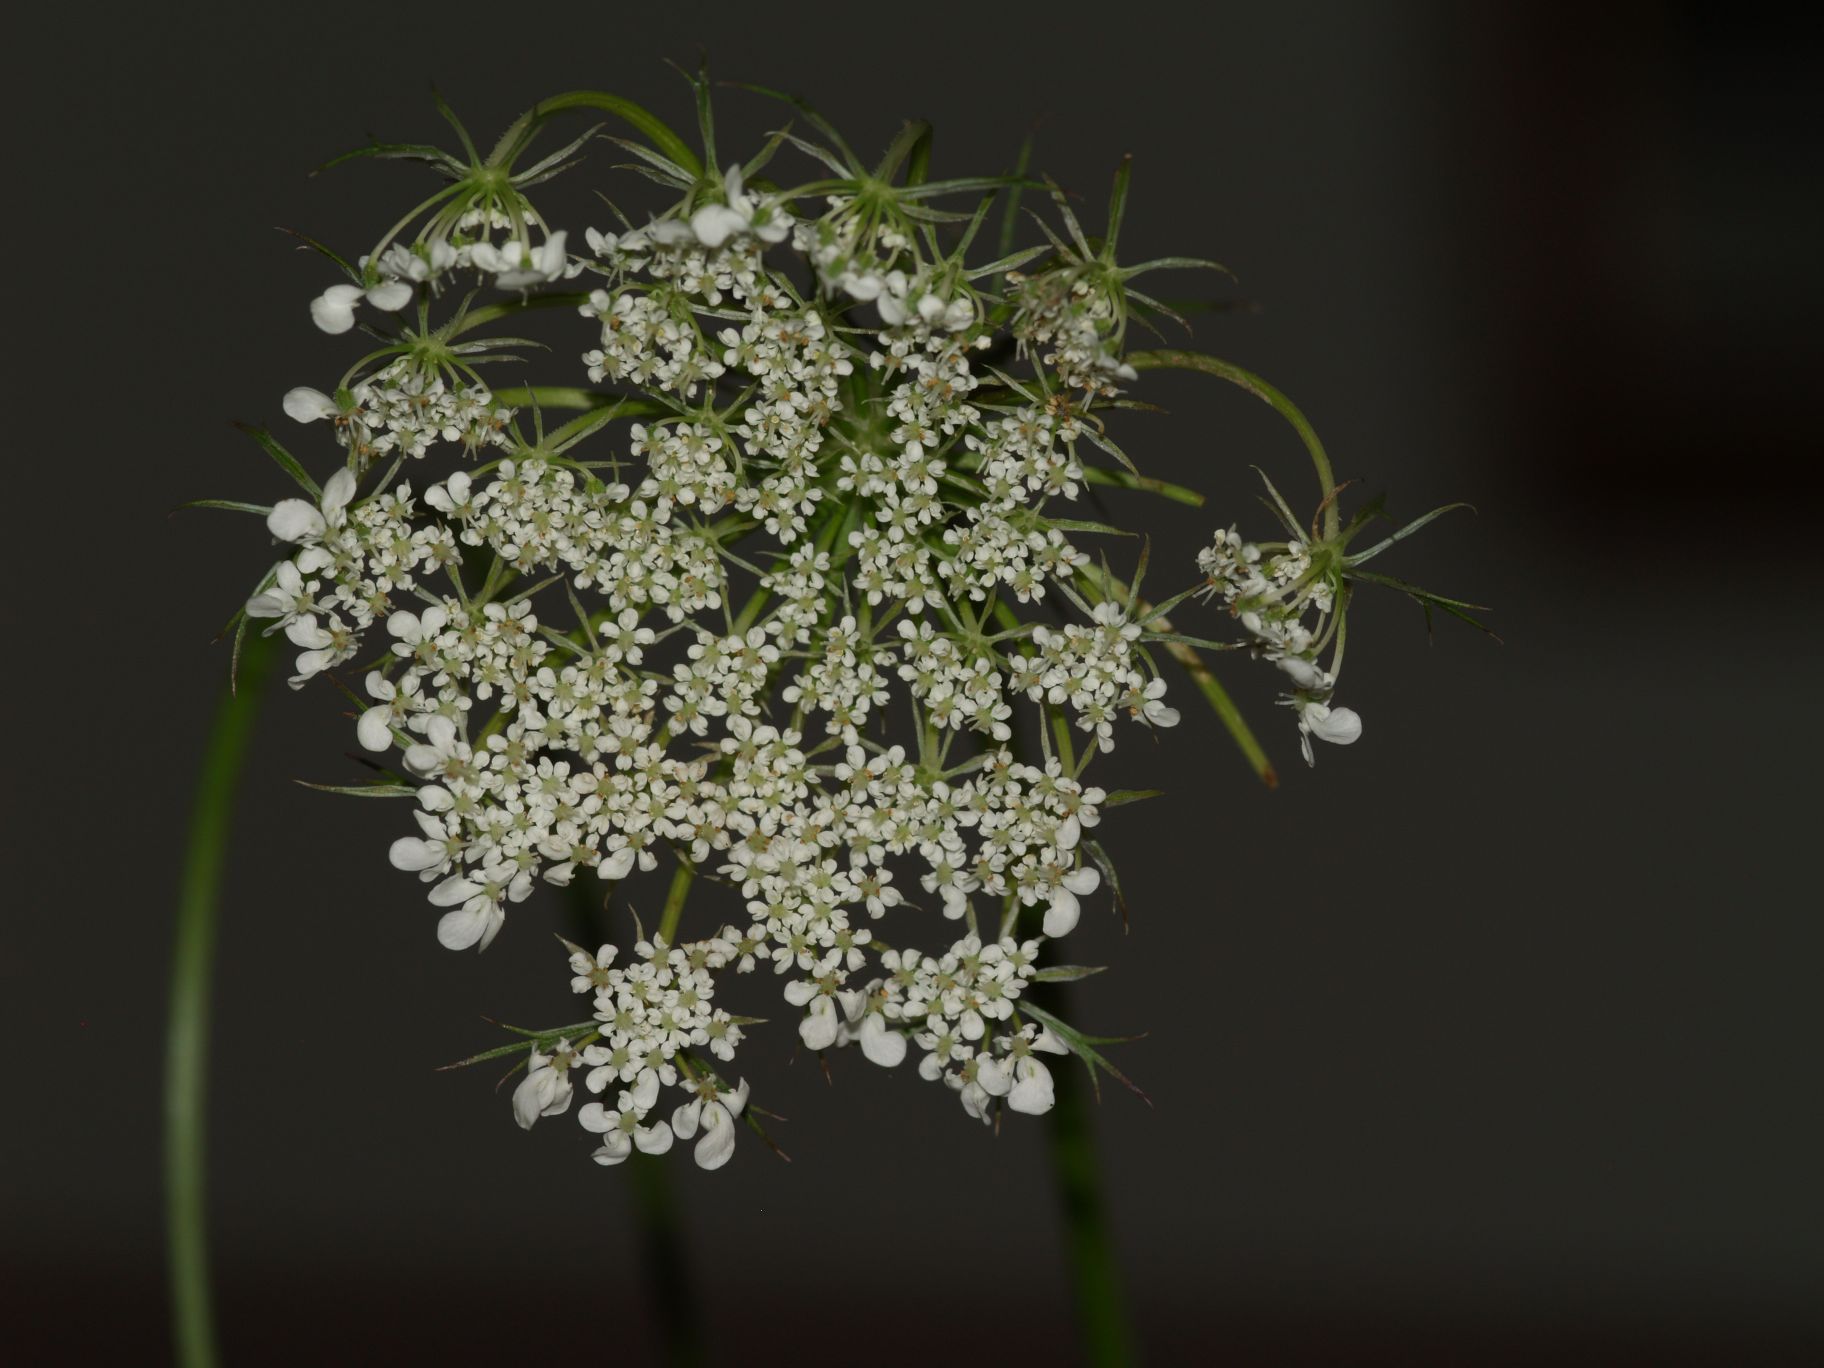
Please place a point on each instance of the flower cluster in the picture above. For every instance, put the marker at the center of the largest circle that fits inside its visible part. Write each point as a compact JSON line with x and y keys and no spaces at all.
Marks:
{"x":1288,"y":610}
{"x":788,"y":608}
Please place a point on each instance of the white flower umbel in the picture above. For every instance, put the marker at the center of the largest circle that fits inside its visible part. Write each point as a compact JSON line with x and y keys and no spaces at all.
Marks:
{"x":806,"y":603}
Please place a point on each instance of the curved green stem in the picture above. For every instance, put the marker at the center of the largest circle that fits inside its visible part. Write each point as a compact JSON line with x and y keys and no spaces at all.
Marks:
{"x":1172,"y":359}
{"x":627,"y":111}
{"x":187,"y":1027}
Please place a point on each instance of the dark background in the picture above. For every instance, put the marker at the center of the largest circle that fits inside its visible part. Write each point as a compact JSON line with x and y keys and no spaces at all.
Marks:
{"x":1493,"y":1039}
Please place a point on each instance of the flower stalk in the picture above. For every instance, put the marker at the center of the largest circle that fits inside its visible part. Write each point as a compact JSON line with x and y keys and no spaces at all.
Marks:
{"x":1095,"y":1270}
{"x":187,"y":1025}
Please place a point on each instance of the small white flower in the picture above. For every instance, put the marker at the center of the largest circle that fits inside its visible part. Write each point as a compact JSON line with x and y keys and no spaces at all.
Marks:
{"x":323,"y":647}
{"x":428,"y":855}
{"x":1155,"y":710}
{"x":622,"y":1129}
{"x":545,"y":1090}
{"x":418,"y":629}
{"x":442,"y":743}
{"x":284,"y":600}
{"x":1338,"y":726}
{"x":715,"y":224}
{"x":479,"y":917}
{"x":518,"y":265}
{"x":295,"y":520}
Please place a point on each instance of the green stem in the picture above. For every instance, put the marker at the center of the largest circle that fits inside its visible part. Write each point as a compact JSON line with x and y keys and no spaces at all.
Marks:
{"x":674,"y":901}
{"x":1095,"y":1273}
{"x":664,"y":1259}
{"x":187,"y":1027}
{"x":1260,"y":389}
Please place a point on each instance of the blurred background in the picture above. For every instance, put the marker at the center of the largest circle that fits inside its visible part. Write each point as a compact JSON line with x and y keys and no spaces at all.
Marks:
{"x":1492,"y":1039}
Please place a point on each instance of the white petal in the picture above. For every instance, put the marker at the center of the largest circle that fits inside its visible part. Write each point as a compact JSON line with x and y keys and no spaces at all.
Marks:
{"x":715,"y":224}
{"x":1083,"y":881}
{"x":293,"y":520}
{"x":718,"y":1141}
{"x":818,"y":1029}
{"x":338,"y":490}
{"x":307,"y":405}
{"x":615,"y":1147}
{"x":1338,"y":726}
{"x":551,"y":257}
{"x":800,"y":991}
{"x":453,"y":890}
{"x":861,"y":287}
{"x":464,"y":927}
{"x":1061,"y":916}
{"x":304,"y":632}
{"x":653,"y":1139}
{"x":994,"y":1077}
{"x":413,"y":854}
{"x":423,"y":759}
{"x":669,"y":232}
{"x":974,"y":1101}
{"x":530,"y":1097}
{"x":1303,"y":673}
{"x":1032,"y":1092}
{"x":597,"y":1118}
{"x":684,"y":1119}
{"x":267,"y":605}
{"x":334,"y":309}
{"x":645,"y":1089}
{"x":882,"y":1046}
{"x":374,"y":730}
{"x":392,"y":296}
